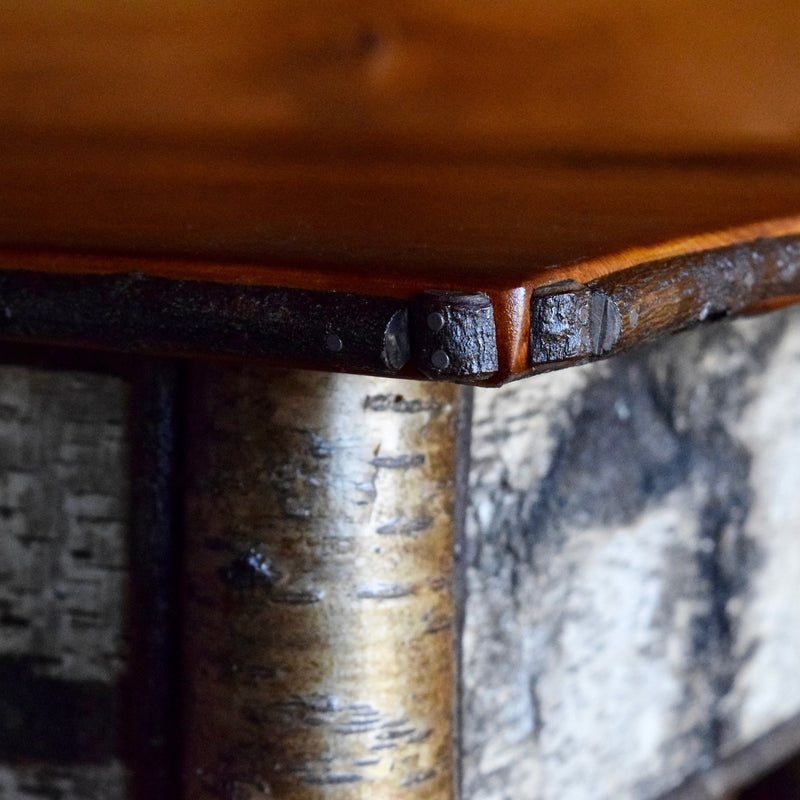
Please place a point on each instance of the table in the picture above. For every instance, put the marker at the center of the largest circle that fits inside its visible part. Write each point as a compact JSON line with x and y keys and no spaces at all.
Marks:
{"x":404,"y":201}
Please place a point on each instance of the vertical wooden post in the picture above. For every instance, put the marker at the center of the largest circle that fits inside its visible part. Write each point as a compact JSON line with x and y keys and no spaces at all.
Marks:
{"x":318,"y":647}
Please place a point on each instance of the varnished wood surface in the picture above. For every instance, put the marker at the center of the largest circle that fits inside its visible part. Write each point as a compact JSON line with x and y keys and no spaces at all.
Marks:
{"x":421,"y":76}
{"x":384,"y":228}
{"x":377,"y":227}
{"x":363,"y":148}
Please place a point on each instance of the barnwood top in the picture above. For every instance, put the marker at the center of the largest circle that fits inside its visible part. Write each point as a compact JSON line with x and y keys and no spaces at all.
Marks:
{"x":357,"y":187}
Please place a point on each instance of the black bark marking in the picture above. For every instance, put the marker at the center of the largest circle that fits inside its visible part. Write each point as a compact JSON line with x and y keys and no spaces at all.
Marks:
{"x":414,"y":778}
{"x":247,"y":571}
{"x":536,"y":706}
{"x":402,"y":461}
{"x":723,"y":566}
{"x":421,"y":736}
{"x":295,"y":598}
{"x":385,"y":591}
{"x":406,"y":526}
{"x":332,"y":778}
{"x":435,"y":621}
{"x":625,"y":449}
{"x":399,"y":404}
{"x":54,"y":721}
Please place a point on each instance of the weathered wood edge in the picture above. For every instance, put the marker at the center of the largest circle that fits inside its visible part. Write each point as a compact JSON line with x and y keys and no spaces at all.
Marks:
{"x":563,"y":316}
{"x":441,"y":335}
{"x":573,"y":323}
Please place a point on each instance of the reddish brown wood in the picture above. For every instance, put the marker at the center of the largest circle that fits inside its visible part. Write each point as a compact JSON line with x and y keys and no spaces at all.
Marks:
{"x":424,"y":76}
{"x":366,"y":149}
{"x":506,"y":257}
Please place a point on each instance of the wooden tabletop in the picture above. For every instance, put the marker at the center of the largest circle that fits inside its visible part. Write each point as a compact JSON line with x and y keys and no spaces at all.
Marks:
{"x":365,"y":151}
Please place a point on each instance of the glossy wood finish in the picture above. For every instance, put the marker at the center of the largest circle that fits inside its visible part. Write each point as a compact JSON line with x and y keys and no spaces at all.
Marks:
{"x":507,"y":257}
{"x":361,"y":148}
{"x":423,"y":77}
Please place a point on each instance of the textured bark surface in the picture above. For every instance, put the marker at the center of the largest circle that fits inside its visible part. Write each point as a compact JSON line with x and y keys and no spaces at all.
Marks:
{"x":633,"y":552}
{"x":633,"y":557}
{"x":318,"y":648}
{"x":63,"y":562}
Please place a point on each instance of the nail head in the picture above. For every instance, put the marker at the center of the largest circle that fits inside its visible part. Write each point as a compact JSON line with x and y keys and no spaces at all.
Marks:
{"x":435,"y":321}
{"x":333,"y":343}
{"x":440,"y":359}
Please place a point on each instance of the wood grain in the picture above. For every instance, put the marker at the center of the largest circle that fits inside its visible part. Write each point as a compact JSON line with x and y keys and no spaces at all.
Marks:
{"x":421,"y":77}
{"x":362,"y":148}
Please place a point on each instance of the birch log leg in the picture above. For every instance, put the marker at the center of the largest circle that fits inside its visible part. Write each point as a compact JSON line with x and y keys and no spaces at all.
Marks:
{"x":318,"y":652}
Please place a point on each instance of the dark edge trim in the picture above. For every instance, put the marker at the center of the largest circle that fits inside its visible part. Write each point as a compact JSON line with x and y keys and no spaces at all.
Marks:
{"x":453,"y":336}
{"x":463,"y":443}
{"x":152,"y":690}
{"x":743,"y":767}
{"x":573,"y":323}
{"x":298,"y":328}
{"x":136,"y":313}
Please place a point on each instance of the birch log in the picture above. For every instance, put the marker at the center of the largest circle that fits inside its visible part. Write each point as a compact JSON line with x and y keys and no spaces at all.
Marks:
{"x":63,"y":578}
{"x":318,"y":611}
{"x":633,"y":559}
